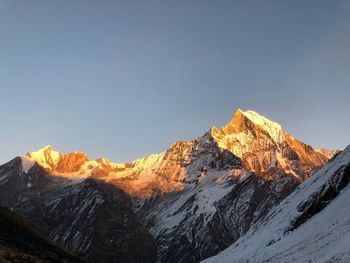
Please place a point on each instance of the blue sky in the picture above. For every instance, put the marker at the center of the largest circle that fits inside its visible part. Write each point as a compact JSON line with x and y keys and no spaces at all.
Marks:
{"x":123,"y":79}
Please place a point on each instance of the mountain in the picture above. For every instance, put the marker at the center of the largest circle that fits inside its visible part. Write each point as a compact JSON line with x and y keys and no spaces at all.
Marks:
{"x":264,"y":146}
{"x":21,"y":242}
{"x":188,"y":203}
{"x":218,"y":204}
{"x":87,"y":216}
{"x":310,"y":225}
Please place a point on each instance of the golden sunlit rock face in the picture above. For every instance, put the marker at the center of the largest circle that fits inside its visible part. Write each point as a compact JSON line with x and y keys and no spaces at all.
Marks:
{"x":72,"y":165}
{"x":156,"y":173}
{"x":260,"y":145}
{"x":58,"y":163}
{"x":264,"y":146}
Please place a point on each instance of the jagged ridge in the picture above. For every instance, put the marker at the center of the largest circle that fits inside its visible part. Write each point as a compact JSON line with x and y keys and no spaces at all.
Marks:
{"x":263,"y":146}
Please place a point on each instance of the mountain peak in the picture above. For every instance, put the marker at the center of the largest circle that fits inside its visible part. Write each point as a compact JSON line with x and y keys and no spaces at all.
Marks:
{"x":259,"y":119}
{"x":46,"y":148}
{"x":45,"y":157}
{"x":244,"y":120}
{"x":274,"y":129}
{"x":52,"y":160}
{"x":263,"y":145}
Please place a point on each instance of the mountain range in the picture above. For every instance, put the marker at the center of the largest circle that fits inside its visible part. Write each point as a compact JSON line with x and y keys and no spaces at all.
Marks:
{"x":233,"y":190}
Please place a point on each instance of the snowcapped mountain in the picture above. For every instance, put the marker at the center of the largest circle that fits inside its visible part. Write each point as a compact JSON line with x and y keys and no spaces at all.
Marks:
{"x":195,"y":199}
{"x":213,"y":211}
{"x":264,"y":146}
{"x":310,"y":225}
{"x":87,"y":216}
{"x":261,"y":145}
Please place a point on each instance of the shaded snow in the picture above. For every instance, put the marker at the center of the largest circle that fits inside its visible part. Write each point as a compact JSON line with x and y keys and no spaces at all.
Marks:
{"x":26,"y":164}
{"x":204,"y":196}
{"x":273,"y":128}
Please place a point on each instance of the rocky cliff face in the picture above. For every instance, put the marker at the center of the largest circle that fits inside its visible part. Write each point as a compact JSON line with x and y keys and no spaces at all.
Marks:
{"x":195,"y":199}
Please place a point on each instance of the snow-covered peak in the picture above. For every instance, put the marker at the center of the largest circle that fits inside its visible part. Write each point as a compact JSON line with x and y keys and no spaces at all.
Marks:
{"x":263,"y":145}
{"x":249,"y":131}
{"x":45,"y":157}
{"x":259,"y":119}
{"x":71,"y":165}
{"x":46,"y":148}
{"x":58,"y":163}
{"x":273,"y":128}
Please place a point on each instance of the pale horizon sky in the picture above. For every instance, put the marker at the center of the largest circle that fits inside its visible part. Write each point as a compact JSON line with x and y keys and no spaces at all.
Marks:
{"x":124,"y":79}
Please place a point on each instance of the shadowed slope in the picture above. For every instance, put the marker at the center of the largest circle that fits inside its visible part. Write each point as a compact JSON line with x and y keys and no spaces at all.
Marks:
{"x":21,"y":242}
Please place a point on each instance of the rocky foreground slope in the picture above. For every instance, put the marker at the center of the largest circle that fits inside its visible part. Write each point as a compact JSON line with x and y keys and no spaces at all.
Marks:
{"x":183,"y":205}
{"x":21,"y":242}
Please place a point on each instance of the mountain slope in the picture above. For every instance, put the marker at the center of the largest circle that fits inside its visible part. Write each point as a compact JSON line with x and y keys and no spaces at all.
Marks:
{"x":89,"y":217}
{"x":20,"y":242}
{"x":195,"y":199}
{"x":310,"y":225}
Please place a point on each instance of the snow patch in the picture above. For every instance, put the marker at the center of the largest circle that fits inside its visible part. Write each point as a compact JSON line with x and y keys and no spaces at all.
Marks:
{"x":26,"y":164}
{"x":273,"y":128}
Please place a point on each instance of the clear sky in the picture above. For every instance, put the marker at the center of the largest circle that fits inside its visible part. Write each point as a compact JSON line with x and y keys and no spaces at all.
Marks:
{"x":123,"y":79}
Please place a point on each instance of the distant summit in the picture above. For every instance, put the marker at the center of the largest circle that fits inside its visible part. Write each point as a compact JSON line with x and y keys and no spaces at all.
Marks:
{"x":264,"y":146}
